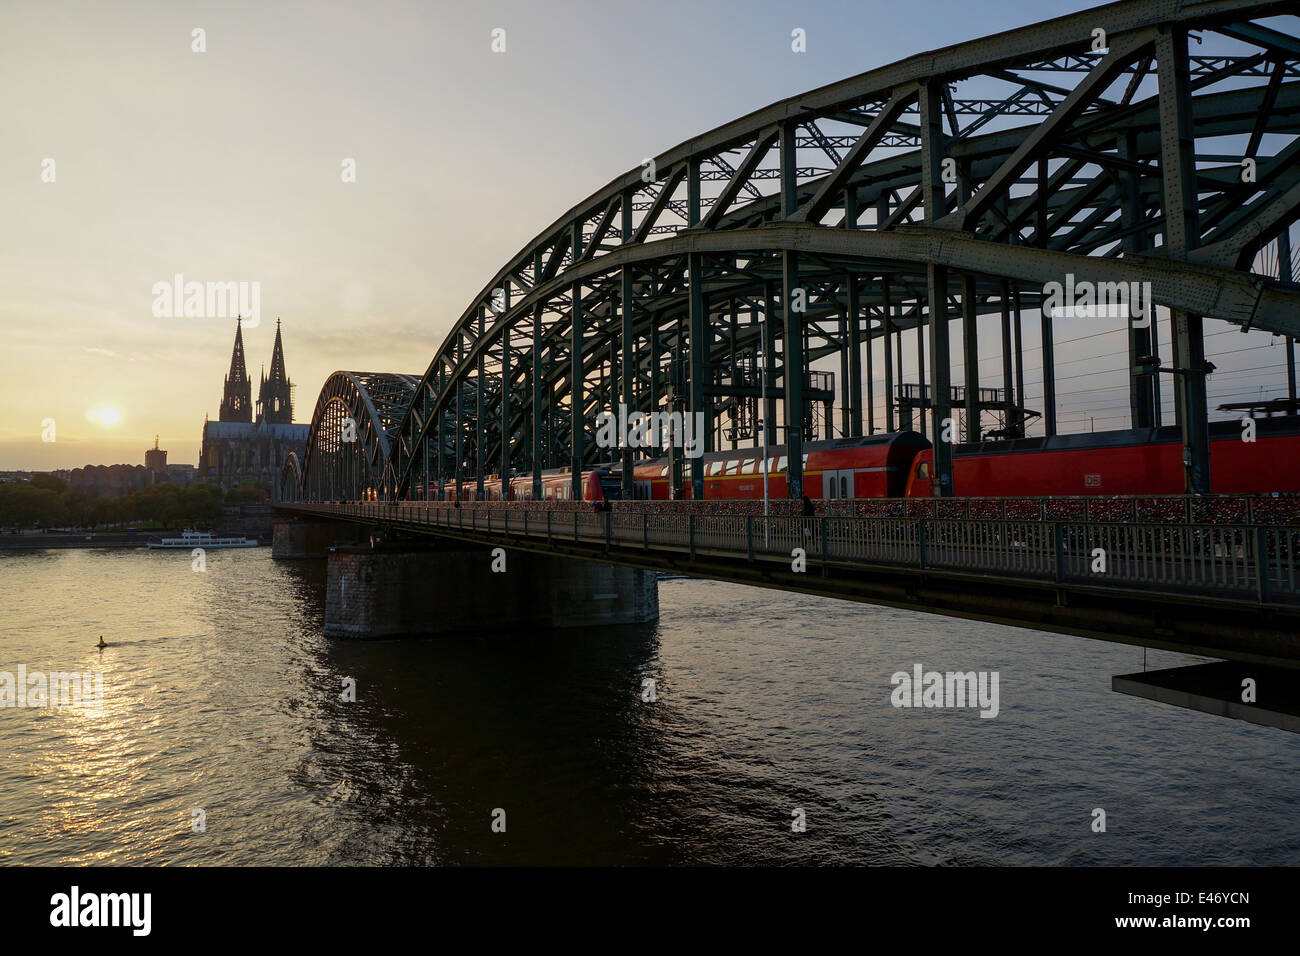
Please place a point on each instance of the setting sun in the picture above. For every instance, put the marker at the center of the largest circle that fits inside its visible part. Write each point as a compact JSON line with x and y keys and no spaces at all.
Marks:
{"x":104,"y":416}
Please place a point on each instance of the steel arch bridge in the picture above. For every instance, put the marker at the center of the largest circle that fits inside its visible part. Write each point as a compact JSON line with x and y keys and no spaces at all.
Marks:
{"x":349,"y":442}
{"x":1146,"y":141}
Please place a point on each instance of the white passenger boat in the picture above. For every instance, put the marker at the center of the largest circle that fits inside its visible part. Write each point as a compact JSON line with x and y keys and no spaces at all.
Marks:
{"x":203,"y":539}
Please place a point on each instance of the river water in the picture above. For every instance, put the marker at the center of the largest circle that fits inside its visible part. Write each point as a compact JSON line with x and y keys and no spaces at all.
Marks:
{"x":221,"y":694}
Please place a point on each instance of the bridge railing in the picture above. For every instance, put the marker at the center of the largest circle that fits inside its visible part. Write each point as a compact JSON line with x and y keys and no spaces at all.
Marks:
{"x":1015,"y":548}
{"x":1253,"y":562}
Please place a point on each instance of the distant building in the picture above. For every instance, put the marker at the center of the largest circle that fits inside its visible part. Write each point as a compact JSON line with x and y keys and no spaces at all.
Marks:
{"x":113,"y":481}
{"x":155,"y":459}
{"x":110,"y":481}
{"x":182,"y":475}
{"x":238,"y":452}
{"x":238,"y":448}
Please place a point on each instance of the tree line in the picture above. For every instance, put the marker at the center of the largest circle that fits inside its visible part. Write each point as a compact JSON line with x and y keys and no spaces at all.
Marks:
{"x":48,"y":502}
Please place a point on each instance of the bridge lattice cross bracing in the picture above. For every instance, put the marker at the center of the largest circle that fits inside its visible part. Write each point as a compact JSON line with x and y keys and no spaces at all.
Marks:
{"x":951,"y":185}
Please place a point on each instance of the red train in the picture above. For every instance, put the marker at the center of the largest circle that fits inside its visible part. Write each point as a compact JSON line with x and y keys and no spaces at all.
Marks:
{"x":598,"y":484}
{"x":900,"y":465}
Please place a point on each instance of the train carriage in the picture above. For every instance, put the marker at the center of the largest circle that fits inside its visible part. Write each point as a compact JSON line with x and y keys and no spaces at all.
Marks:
{"x":901,"y":464}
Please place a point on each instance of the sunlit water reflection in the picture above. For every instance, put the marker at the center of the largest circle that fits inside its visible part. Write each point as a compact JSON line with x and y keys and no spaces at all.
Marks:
{"x":222,"y":694}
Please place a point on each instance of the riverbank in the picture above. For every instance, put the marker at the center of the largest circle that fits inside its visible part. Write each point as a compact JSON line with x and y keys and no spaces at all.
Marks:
{"x":85,"y":539}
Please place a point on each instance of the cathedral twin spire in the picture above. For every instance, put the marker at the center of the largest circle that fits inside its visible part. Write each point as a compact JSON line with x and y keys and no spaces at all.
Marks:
{"x":236,"y":396}
{"x":274,"y":397}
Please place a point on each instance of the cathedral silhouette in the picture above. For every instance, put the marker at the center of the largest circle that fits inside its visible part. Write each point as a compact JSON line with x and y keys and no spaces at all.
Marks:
{"x":247,"y":443}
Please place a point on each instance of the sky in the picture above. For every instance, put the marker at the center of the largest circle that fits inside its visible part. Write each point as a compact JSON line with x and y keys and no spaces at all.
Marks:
{"x":226,"y":166}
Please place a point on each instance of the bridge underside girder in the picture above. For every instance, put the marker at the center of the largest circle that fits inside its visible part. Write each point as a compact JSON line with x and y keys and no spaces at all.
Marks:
{"x":1186,"y":622}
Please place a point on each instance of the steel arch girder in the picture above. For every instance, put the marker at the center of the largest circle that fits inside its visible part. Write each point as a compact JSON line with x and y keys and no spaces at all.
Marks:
{"x":1214,"y":291}
{"x":1129,"y":24}
{"x":1005,"y":49}
{"x":376,"y":402}
{"x":290,"y":477}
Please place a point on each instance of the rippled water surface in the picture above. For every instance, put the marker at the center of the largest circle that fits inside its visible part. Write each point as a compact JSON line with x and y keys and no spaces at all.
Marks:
{"x":221,"y":693}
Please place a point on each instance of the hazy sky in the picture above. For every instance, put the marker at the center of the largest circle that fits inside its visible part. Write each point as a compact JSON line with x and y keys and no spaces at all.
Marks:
{"x":225,"y":166}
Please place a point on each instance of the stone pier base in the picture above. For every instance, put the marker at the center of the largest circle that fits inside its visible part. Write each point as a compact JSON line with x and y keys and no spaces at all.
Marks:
{"x":390,"y":593}
{"x":298,"y":538}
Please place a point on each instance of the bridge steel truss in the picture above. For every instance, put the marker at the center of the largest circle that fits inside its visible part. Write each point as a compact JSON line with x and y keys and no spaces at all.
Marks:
{"x":349,"y":442}
{"x":950,"y":185}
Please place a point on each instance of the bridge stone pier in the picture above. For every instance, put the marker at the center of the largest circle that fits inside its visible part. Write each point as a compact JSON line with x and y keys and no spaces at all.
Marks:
{"x":398,"y":591}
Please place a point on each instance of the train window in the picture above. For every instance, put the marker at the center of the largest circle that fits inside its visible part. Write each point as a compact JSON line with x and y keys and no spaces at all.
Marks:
{"x":748,"y":467}
{"x":781,"y":463}
{"x":715,"y":468}
{"x":844,"y":486}
{"x":733,"y":467}
{"x":663,"y":472}
{"x":924,"y":470}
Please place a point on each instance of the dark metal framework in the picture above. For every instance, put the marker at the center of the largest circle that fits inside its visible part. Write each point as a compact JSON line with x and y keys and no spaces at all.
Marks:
{"x":953,"y":184}
{"x":289,"y":483}
{"x":349,"y":442}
